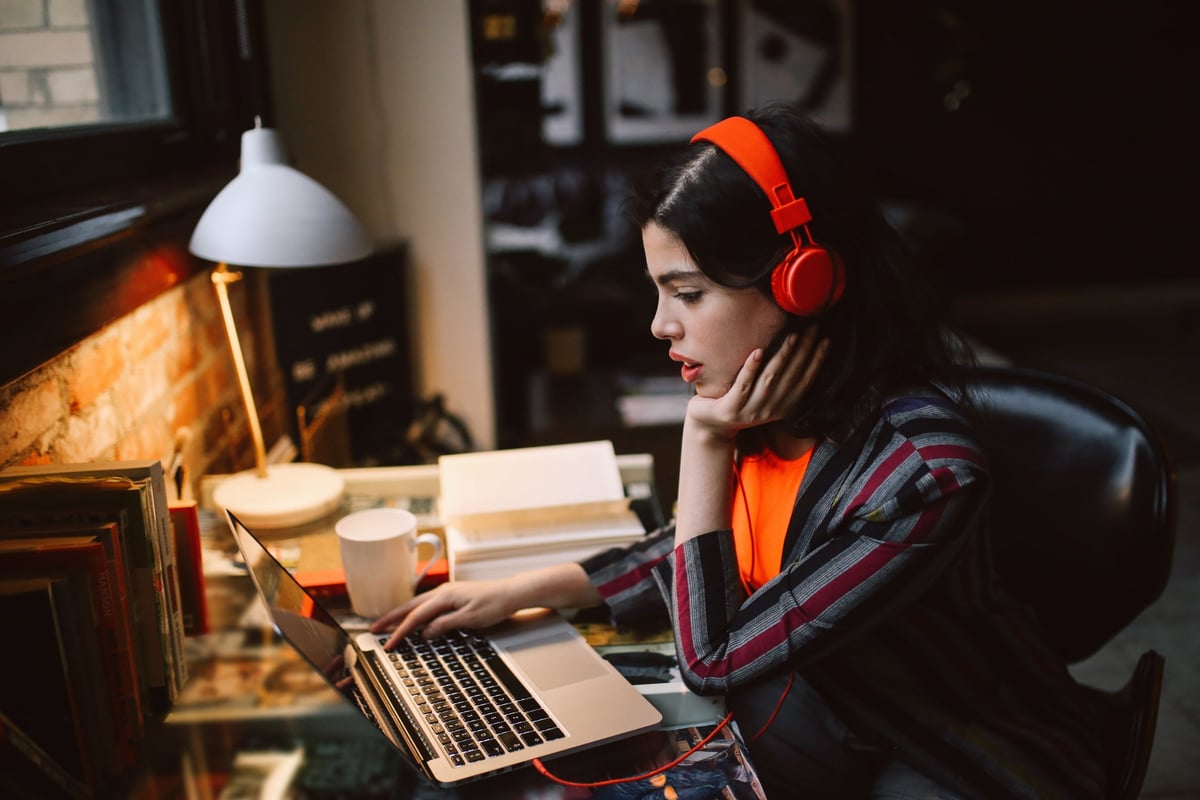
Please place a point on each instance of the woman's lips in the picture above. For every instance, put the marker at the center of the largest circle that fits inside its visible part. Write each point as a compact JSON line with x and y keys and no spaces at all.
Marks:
{"x":690,"y":369}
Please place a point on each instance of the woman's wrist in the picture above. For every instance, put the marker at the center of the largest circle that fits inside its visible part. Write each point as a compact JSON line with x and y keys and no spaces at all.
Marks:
{"x":706,"y":438}
{"x":557,"y":586}
{"x":704,"y":481}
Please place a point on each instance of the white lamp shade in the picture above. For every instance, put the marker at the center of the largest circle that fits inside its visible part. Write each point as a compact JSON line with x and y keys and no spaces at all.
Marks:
{"x":272,"y":215}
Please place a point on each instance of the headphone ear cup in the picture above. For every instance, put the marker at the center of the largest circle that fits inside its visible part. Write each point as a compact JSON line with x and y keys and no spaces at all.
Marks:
{"x":808,"y":280}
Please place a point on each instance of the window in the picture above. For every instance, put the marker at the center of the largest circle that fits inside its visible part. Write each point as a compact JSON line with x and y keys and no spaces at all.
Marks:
{"x":67,"y":64}
{"x":101,"y":94}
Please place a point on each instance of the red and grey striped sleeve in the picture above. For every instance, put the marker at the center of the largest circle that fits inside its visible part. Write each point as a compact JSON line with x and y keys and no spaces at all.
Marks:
{"x":883,"y":524}
{"x":624,"y":577}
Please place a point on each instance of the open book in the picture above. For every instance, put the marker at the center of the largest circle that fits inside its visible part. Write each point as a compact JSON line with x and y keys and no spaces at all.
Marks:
{"x":510,"y":510}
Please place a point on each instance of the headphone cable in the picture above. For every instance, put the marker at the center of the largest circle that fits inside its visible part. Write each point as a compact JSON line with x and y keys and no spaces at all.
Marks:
{"x":540,"y":767}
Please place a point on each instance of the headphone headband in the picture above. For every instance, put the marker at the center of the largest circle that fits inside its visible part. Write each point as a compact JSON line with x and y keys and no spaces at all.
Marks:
{"x":749,"y":147}
{"x":810,"y":278}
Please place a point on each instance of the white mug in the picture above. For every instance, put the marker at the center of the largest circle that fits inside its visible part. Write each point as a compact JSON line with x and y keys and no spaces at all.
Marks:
{"x":379,"y":556}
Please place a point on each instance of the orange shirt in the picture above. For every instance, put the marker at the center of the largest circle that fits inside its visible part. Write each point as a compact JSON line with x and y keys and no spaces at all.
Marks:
{"x":762,"y":507}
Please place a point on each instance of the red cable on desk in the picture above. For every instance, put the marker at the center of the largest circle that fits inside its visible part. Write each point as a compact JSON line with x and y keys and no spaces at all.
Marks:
{"x":540,"y":767}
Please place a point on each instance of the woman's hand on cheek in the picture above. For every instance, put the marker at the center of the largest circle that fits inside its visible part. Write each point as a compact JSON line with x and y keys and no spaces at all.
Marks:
{"x":762,"y":392}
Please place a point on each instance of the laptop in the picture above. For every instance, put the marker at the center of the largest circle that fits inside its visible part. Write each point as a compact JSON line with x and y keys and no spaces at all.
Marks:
{"x":466,"y":705}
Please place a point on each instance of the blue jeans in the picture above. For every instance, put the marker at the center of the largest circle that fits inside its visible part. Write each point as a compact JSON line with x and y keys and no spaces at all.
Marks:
{"x":807,"y":751}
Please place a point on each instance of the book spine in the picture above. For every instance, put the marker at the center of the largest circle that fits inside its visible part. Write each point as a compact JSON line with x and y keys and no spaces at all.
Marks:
{"x":122,"y":687}
{"x":159,"y":520}
{"x":152,"y":596}
{"x":135,"y":585}
{"x":144,"y":569}
{"x":127,"y":658}
{"x":189,"y":558}
{"x":147,"y":604}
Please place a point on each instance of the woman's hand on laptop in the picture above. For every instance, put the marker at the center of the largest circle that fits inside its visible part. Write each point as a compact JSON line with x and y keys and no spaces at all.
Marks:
{"x":458,"y":604}
{"x":480,"y":604}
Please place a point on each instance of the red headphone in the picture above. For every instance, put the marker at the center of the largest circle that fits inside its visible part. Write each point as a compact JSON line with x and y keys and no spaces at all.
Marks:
{"x":810,"y":278}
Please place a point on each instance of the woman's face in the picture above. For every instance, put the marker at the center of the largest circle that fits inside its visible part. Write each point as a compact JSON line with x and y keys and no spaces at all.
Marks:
{"x":711,"y":329}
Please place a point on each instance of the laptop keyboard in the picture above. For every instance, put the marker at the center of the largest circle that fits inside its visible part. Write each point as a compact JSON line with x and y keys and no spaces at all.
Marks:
{"x":476,"y":706}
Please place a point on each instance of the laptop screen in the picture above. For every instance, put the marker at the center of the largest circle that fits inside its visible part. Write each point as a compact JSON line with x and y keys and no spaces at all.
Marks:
{"x":301,"y":620}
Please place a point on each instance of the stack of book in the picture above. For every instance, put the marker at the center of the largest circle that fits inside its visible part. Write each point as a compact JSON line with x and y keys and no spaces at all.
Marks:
{"x":505,"y":511}
{"x":90,"y":586}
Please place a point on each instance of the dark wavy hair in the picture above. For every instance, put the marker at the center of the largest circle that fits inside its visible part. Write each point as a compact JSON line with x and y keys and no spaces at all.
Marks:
{"x":884,"y":332}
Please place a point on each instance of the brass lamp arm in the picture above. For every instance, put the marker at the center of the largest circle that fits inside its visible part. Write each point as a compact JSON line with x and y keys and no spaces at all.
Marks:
{"x":222,"y":276}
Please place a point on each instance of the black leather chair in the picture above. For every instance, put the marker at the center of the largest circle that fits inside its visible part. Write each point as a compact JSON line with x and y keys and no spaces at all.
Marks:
{"x":1083,"y":528}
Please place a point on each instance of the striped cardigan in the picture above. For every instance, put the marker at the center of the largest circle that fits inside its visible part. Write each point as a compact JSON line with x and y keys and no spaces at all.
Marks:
{"x":887,"y":604}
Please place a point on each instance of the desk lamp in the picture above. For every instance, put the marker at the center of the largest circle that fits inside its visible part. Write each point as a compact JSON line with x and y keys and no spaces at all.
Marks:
{"x":273,"y":216}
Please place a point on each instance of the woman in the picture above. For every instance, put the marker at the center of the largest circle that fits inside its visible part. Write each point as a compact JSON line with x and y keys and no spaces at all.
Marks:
{"x":828,"y":568}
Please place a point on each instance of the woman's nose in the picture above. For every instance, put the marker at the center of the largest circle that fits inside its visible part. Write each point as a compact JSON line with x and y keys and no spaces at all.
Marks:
{"x":663,"y":327}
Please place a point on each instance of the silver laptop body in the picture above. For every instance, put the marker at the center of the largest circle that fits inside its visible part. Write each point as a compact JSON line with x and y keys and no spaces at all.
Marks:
{"x":538,"y":689}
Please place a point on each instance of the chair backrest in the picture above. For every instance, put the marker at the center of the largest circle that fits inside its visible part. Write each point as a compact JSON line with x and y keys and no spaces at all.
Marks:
{"x":1084,"y":502}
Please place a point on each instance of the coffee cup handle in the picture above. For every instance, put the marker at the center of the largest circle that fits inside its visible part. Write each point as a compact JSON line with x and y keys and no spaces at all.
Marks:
{"x":434,"y":541}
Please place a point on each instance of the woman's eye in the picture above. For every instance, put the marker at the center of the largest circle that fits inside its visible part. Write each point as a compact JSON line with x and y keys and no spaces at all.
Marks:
{"x":688,"y":297}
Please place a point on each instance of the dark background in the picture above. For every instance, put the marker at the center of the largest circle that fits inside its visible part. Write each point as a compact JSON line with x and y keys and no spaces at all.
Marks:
{"x":1018,"y":146}
{"x":1072,"y":159}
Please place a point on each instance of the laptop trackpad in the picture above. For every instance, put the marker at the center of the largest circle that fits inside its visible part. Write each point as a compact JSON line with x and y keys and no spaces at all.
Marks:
{"x":554,"y":660}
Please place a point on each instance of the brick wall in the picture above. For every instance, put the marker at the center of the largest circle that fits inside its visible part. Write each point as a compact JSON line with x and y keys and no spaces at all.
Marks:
{"x":161,"y":374}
